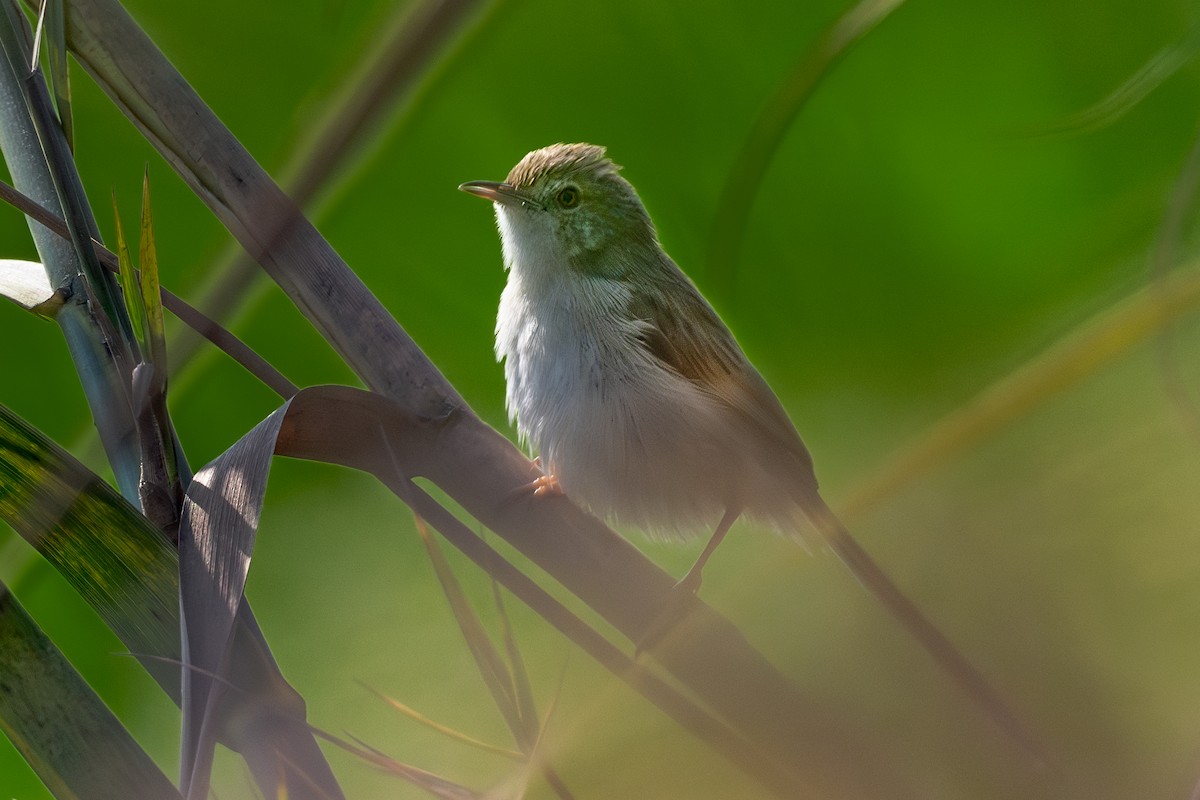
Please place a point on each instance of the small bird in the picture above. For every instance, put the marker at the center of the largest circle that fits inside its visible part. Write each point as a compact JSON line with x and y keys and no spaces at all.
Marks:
{"x":636,"y":395}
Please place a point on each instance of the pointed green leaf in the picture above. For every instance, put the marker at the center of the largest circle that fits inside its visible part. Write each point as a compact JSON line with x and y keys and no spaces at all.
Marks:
{"x":156,"y":339}
{"x":129,"y":280}
{"x":491,"y":666}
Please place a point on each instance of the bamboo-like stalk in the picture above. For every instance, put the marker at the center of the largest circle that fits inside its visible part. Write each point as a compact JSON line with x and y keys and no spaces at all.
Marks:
{"x":102,"y":381}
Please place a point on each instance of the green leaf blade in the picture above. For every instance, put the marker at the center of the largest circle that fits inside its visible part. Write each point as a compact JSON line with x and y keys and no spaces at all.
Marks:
{"x":61,"y":727}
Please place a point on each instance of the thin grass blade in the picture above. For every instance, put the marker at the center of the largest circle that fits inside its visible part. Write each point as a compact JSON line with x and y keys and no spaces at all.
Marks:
{"x":520,"y":675}
{"x":491,"y":667}
{"x":129,"y":279}
{"x":433,"y":784}
{"x":549,"y":773}
{"x":1161,"y":66}
{"x":445,"y":730}
{"x":151,"y":291}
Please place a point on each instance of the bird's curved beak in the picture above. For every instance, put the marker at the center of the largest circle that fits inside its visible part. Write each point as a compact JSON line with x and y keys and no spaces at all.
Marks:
{"x":502,"y":193}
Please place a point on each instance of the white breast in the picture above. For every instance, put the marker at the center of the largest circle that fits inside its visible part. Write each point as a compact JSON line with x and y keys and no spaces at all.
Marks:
{"x":622,"y":434}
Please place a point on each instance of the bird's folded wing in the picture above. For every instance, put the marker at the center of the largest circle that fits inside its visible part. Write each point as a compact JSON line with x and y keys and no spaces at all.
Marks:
{"x":683,"y":332}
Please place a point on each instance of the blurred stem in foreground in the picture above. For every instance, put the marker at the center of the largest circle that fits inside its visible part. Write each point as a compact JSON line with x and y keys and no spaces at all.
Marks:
{"x":1074,"y":357}
{"x":766,"y":134}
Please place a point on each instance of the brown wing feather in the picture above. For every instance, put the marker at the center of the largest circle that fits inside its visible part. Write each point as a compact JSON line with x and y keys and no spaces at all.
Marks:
{"x":685,"y":333}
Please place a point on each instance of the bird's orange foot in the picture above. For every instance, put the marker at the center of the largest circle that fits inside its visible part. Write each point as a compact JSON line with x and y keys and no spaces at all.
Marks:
{"x":544,"y":485}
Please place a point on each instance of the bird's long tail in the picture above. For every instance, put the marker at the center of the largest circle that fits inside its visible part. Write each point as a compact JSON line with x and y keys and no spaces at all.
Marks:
{"x":943,"y":651}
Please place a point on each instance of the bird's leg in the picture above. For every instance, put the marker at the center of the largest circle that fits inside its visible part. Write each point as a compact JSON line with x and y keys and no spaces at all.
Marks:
{"x":684,"y":592}
{"x":691,"y":581}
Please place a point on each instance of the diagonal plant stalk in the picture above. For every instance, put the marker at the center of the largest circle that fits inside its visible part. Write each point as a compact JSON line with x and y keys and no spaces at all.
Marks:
{"x":412,"y":43}
{"x":435,"y":785}
{"x":492,"y":669}
{"x":518,"y":694}
{"x":341,"y":425}
{"x":710,"y":656}
{"x":605,"y":571}
{"x":521,"y":685}
{"x":263,"y":218}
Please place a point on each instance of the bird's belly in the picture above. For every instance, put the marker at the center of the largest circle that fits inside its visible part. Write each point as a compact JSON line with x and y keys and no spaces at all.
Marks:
{"x":630,"y":440}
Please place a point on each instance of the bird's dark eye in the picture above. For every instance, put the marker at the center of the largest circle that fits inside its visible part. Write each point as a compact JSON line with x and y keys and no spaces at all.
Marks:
{"x":568,"y":196}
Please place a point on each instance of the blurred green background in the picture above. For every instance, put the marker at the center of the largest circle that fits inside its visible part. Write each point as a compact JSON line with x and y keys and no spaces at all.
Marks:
{"x":927,"y":226}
